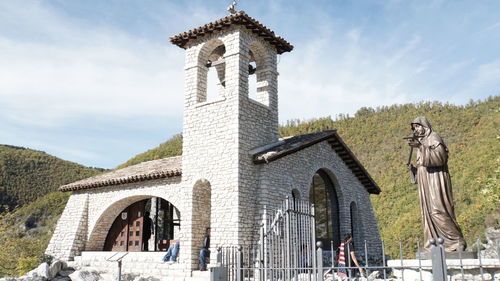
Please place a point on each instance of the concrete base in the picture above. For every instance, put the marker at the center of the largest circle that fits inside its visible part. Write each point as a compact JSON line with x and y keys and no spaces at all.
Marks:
{"x":458,"y":270}
{"x":449,"y":255}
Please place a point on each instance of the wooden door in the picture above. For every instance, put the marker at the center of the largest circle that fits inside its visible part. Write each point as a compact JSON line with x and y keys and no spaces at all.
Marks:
{"x":135,"y":223}
{"x":126,"y":231}
{"x":117,"y":236}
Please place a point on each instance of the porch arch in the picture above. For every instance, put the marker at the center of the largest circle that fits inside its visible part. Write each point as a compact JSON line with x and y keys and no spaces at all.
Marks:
{"x":202,"y":206}
{"x":100,"y":230}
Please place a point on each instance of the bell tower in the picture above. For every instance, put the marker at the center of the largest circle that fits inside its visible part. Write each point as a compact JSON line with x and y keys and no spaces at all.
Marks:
{"x":218,"y":133}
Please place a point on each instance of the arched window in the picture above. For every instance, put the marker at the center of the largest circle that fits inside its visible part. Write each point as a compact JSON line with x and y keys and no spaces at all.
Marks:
{"x":322,"y":194}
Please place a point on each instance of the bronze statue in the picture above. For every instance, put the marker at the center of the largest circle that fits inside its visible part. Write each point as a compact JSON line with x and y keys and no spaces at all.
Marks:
{"x":434,"y":186}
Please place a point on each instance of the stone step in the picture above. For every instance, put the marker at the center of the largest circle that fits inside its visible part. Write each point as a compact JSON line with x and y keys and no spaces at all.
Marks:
{"x":144,"y":264}
{"x":200,"y":274}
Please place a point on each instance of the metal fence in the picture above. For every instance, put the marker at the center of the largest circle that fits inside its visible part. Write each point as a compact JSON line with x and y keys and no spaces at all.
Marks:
{"x":246,"y":264}
{"x":287,"y":251}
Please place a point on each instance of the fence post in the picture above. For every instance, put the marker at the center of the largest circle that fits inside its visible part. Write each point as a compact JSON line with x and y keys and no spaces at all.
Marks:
{"x":288,"y":237}
{"x":239,"y":263}
{"x":120,"y":270}
{"x":319,"y":263}
{"x":219,"y":256}
{"x":439,"y":272}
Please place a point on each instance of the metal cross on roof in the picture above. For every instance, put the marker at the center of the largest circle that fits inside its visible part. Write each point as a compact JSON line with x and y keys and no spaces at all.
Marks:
{"x":232,"y":8}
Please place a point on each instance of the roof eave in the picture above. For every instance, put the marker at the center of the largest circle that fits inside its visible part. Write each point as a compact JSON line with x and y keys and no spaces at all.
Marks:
{"x":342,"y":151}
{"x":120,"y":181}
{"x":240,"y":18}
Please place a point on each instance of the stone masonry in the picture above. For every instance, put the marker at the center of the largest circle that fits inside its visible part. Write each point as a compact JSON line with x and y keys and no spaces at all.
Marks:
{"x":220,"y":185}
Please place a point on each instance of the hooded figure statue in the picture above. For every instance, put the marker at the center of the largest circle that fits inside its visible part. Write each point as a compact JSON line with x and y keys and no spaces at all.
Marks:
{"x":434,"y":186}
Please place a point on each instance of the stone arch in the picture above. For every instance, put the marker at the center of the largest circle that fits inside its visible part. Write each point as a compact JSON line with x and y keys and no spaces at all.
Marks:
{"x":258,"y":68}
{"x":106,"y":218}
{"x":323,"y":192}
{"x":202,"y":206}
{"x":210,"y":59}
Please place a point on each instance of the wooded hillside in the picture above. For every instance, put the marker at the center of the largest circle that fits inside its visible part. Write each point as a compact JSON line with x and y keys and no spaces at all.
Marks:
{"x":374,"y":135}
{"x":26,"y":175}
{"x":28,"y":183}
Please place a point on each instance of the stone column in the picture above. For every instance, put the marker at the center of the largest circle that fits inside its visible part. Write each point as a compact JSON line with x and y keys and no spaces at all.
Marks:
{"x":153,"y":212}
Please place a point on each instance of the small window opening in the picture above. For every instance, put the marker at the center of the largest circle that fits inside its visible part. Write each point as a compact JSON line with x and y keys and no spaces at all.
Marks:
{"x":213,"y":85}
{"x":252,"y":81}
{"x":216,"y":74}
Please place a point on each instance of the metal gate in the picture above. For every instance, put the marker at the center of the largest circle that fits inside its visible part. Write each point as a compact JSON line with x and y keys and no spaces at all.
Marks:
{"x":287,"y":240}
{"x":286,"y":247}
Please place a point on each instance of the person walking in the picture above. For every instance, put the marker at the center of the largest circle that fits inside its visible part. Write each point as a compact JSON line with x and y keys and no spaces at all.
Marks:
{"x":347,"y":257}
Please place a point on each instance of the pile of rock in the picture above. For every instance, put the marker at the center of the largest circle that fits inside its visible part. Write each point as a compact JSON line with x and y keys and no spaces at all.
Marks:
{"x":492,"y":245}
{"x":57,"y":271}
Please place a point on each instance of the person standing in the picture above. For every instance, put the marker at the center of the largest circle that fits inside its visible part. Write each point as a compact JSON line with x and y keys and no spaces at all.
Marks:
{"x":434,"y":187}
{"x":205,"y":252}
{"x":347,"y":257}
{"x":147,"y":230}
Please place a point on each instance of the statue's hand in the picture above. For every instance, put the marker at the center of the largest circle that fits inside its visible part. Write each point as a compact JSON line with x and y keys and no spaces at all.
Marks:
{"x":414,"y":143}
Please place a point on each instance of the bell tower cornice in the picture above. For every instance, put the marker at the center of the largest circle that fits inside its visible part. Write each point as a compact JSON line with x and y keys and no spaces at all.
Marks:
{"x":238,"y":19}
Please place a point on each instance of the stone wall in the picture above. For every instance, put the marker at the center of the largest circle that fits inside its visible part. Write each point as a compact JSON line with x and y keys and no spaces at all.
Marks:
{"x":296,"y":171}
{"x":221,"y":187}
{"x":69,"y":238}
{"x":218,"y":134}
{"x":88,"y":215}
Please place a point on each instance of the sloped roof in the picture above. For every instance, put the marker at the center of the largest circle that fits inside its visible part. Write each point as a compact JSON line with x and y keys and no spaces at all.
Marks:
{"x":297,"y":143}
{"x":149,"y":170}
{"x":240,"y":18}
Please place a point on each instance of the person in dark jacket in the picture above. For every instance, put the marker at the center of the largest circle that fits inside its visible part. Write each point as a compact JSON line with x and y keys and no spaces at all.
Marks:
{"x":147,"y":231}
{"x":205,"y":252}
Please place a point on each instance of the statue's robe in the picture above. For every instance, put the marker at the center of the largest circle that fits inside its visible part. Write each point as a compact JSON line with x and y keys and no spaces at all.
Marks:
{"x":436,"y":200}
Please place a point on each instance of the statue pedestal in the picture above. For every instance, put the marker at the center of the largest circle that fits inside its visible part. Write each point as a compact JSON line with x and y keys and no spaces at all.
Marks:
{"x":448,"y":255}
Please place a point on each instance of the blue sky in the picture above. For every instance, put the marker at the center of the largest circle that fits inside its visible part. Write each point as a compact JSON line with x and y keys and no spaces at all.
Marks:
{"x":97,"y":82}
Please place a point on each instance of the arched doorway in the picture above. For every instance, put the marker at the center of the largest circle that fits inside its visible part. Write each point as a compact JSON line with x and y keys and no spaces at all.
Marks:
{"x":324,"y":197}
{"x":146,"y":225}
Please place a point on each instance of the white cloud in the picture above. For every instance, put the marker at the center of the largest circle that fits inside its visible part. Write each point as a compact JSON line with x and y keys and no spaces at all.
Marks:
{"x":84,"y":71}
{"x":321,"y":80}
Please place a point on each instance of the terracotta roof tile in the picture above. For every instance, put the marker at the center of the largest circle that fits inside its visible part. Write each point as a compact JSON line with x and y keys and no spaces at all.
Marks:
{"x":150,"y":170}
{"x":240,"y":18}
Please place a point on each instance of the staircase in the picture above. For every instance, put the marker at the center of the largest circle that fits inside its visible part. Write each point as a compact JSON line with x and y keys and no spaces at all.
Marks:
{"x":136,"y":265}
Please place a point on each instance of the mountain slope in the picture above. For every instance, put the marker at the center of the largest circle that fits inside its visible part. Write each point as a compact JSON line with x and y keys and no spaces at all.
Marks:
{"x":172,"y":147}
{"x":471,"y":133}
{"x":30,"y":205}
{"x":26,"y":175}
{"x":375,"y":136}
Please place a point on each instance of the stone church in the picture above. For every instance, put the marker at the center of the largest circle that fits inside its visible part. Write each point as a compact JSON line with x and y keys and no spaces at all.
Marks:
{"x":233,"y":164}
